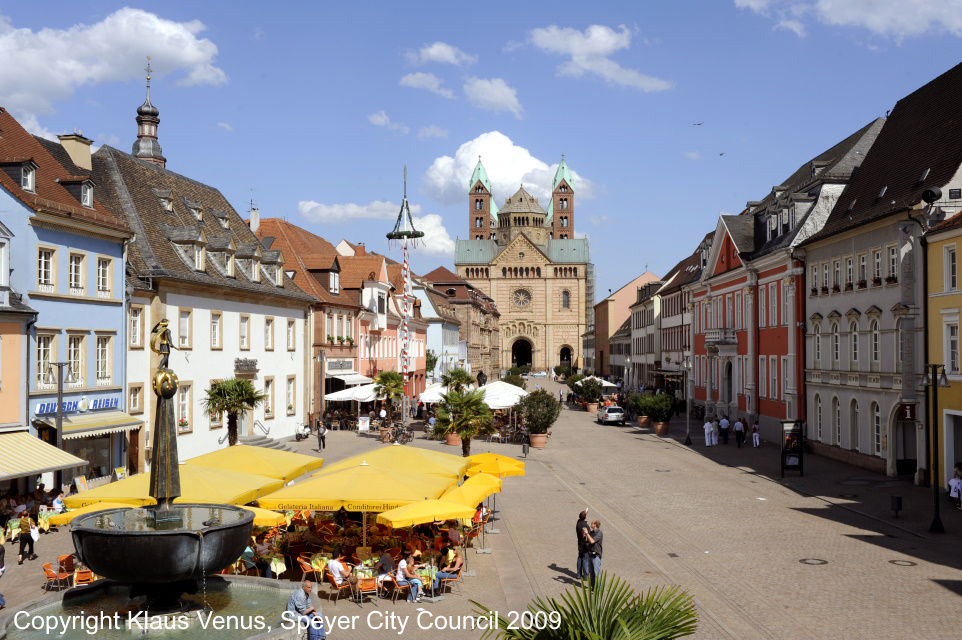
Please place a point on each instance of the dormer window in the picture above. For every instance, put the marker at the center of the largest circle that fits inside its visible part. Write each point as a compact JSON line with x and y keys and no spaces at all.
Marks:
{"x":256,"y":270}
{"x":196,"y":212}
{"x":335,"y":282}
{"x":198,"y":258}
{"x":163,"y":197}
{"x":224,"y":224}
{"x":87,"y":195}
{"x":28,"y":177}
{"x":229,"y":264}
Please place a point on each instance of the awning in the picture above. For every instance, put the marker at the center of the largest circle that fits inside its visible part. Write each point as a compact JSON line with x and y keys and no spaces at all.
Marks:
{"x":668,"y":372}
{"x":351,"y":377}
{"x":84,"y":425}
{"x":22,"y":454}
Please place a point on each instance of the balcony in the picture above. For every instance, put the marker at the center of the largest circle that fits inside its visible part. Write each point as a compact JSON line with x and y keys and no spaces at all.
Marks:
{"x":720,"y":336}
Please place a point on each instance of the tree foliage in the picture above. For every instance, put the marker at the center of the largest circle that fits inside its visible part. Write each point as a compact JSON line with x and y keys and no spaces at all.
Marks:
{"x":516,"y":380}
{"x":430,"y":361}
{"x":232,"y":396}
{"x":591,"y":391}
{"x":539,"y":409}
{"x":457,"y":380}
{"x":661,"y":408}
{"x":572,"y":379}
{"x":466,"y":414}
{"x":390,"y":386}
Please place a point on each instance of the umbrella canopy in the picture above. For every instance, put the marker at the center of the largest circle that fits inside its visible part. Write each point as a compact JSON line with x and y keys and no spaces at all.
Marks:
{"x":424,"y":511}
{"x":432,"y":394}
{"x":67,"y":516}
{"x":435,"y":463}
{"x":197,"y":484}
{"x":501,"y":395}
{"x":497,"y":468}
{"x":362,"y":393}
{"x":283,"y":465}
{"x":474,"y":490}
{"x":604,"y":383}
{"x":362,"y":487}
{"x":265,"y":518}
{"x":478,"y":458}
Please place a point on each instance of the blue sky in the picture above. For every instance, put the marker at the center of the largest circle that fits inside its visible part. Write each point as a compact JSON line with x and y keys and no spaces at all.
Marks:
{"x":317,"y":107}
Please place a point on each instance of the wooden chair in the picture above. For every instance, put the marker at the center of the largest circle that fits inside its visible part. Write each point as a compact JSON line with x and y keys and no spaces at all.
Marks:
{"x":60,"y":580}
{"x":335,"y":587}
{"x":84,"y":576}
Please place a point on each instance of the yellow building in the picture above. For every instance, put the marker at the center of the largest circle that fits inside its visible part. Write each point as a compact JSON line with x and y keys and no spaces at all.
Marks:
{"x":944,"y":305}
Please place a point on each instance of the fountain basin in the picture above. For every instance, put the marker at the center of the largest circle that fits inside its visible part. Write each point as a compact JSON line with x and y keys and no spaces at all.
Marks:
{"x":149,"y":545}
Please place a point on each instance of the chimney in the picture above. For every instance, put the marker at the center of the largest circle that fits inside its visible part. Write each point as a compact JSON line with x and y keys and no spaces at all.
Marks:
{"x":255,"y":218}
{"x":78,"y":148}
{"x":359,"y":250}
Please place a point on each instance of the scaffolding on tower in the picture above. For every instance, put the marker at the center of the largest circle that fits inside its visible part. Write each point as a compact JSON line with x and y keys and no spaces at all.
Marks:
{"x":405,"y":233}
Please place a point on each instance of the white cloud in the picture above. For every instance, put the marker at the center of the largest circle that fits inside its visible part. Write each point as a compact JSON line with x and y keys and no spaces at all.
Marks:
{"x":597,"y":220}
{"x":581,"y":235}
{"x":432,"y":131}
{"x":427,"y":81}
{"x":110,"y":139}
{"x":512,"y":46}
{"x":692,"y":155}
{"x":380,"y":119}
{"x":29,"y":122}
{"x":589,"y":52}
{"x":897,"y":19}
{"x":224,"y":125}
{"x":507,"y":165}
{"x":440,"y":52}
{"x":345,"y":213}
{"x":493,"y":95}
{"x":40,"y":68}
{"x":258,"y":33}
{"x":437,"y":241}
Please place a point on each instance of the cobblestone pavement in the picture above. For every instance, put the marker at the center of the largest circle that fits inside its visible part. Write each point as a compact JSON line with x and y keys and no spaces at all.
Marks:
{"x":720,"y":522}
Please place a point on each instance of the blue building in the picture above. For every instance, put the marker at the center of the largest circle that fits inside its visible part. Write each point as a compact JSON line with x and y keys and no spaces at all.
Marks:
{"x":67,"y":263}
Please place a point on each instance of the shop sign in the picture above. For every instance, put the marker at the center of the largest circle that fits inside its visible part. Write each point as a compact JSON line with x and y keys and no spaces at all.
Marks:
{"x":110,"y":402}
{"x":340,"y":365}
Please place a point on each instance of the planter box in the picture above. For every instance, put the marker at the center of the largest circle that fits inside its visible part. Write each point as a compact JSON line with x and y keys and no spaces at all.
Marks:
{"x":385,"y":434}
{"x":538,"y":440}
{"x":644,"y":421}
{"x":452,"y":439}
{"x":661,"y":428}
{"x":591,"y":407}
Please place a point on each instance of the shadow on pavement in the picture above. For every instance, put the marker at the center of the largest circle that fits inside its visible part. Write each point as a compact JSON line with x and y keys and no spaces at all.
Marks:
{"x":567,"y":575}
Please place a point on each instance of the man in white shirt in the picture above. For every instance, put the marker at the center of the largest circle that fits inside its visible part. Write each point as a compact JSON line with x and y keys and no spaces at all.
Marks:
{"x":724,"y":424}
{"x":341,"y":573}
{"x":707,"y":432}
{"x":739,"y":432}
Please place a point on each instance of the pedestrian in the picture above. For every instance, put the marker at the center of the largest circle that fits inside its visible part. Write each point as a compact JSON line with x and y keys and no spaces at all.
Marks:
{"x":560,"y":396}
{"x":27,"y":529}
{"x":595,"y":537}
{"x":755,"y":433}
{"x":3,"y":567}
{"x":714,"y":432}
{"x":707,"y":432}
{"x":723,"y":426}
{"x":581,"y":528}
{"x":739,"y":432}
{"x":321,"y":437}
{"x":299,"y":608}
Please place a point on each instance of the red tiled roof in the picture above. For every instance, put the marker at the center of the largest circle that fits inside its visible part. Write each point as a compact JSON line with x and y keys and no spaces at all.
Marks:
{"x":16,"y":145}
{"x":444,"y":276}
{"x":356,"y":269}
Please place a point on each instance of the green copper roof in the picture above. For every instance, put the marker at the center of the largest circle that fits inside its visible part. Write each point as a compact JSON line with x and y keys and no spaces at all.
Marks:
{"x":494,"y":207}
{"x":561,"y":174}
{"x":474,"y":251}
{"x":549,"y":211}
{"x":482,"y":175}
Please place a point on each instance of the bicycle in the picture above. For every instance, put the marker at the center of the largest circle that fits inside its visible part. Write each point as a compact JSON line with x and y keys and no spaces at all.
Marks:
{"x":402,"y":435}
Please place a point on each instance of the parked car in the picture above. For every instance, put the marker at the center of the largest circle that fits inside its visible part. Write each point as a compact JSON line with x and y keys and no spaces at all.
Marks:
{"x":611,"y":414}
{"x":539,"y":374}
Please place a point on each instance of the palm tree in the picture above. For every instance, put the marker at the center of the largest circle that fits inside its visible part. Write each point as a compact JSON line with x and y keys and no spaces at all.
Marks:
{"x":232,"y":396}
{"x":457,"y":380}
{"x":466,"y":414}
{"x":610,"y":611}
{"x":390,"y":386}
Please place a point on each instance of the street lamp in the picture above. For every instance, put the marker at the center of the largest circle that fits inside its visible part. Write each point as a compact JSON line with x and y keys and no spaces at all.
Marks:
{"x":687,"y":365}
{"x":48,"y":379}
{"x":628,"y":373}
{"x":321,"y":358}
{"x":935,"y":377}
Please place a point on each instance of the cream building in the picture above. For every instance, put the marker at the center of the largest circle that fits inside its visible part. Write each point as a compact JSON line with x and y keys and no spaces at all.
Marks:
{"x":528,"y":261}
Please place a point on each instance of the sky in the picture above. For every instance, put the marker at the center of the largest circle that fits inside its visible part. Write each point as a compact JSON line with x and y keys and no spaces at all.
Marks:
{"x":667,"y":113}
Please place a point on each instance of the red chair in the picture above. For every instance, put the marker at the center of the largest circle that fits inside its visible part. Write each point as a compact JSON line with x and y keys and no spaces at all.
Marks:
{"x":60,"y":580}
{"x":395,"y":587}
{"x":335,"y":587}
{"x":66,"y":563}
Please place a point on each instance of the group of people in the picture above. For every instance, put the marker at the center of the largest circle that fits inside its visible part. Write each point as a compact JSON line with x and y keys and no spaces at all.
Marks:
{"x":12,"y":504}
{"x":715,"y":428}
{"x":590,"y":542}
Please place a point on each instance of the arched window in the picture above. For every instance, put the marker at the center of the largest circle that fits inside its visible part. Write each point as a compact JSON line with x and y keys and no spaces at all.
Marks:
{"x":818,"y":418}
{"x":853,"y":331}
{"x":477,"y":205}
{"x":565,"y":300}
{"x":876,"y":339}
{"x":477,"y":189}
{"x":527,"y":272}
{"x":539,"y":271}
{"x":876,"y":429}
{"x":564,"y":221}
{"x":487,"y":273}
{"x":835,"y":344}
{"x":836,"y":421}
{"x":817,"y":346}
{"x":504,"y":272}
{"x":477,"y":223}
{"x":853,"y":427}
{"x":556,"y":272}
{"x":576,"y":268}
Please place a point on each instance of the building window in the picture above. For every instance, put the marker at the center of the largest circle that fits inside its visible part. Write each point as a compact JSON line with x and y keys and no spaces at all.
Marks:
{"x":951,"y":269}
{"x":184,"y":406}
{"x":814,"y":277}
{"x":75,"y":359}
{"x":762,"y":387}
{"x":216,"y":329}
{"x":136,"y":331}
{"x":87,"y":195}
{"x":862,"y":268}
{"x":335,"y":282}
{"x":738,"y":311}
{"x":849,"y":271}
{"x":836,"y":421}
{"x":825,"y":277}
{"x":565,"y":300}
{"x":893,"y":262}
{"x":245,"y":322}
{"x":269,"y":398}
{"x":103,"y":361}
{"x":773,"y":304}
{"x":877,"y":264}
{"x":28,"y":178}
{"x":876,"y":428}
{"x":45,"y":271}
{"x":853,"y":332}
{"x":103,"y":277}
{"x":269,"y":334}
{"x":289,"y":397}
{"x":773,"y":371}
{"x":835,"y":344}
{"x":785,"y":294}
{"x":135,"y":398}
{"x":818,"y":417}
{"x":184,"y":329}
{"x":761,"y":306}
{"x":952,"y":345}
{"x":855,"y":428}
{"x":290,"y":335}
{"x":784,"y":377}
{"x":876,"y":340}
{"x":44,"y":351}
{"x":198,"y":258}
{"x":75,"y":274}
{"x":817,"y":348}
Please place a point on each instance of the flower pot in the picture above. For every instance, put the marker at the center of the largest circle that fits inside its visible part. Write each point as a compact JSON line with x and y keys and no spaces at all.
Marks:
{"x":591,"y":407}
{"x":452,"y":439}
{"x":644,"y":421}
{"x":385,"y":434}
{"x":538,"y":440}
{"x":661,"y":428}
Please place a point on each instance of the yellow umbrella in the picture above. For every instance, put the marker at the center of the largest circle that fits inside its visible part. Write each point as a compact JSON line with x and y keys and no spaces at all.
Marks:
{"x":474,"y":490}
{"x":479,"y":458}
{"x":362,"y":487}
{"x":262,"y":517}
{"x":424,"y":511}
{"x":67,"y":516}
{"x":283,"y":465}
{"x":197,"y":484}
{"x":411,"y":458}
{"x":497,"y":468}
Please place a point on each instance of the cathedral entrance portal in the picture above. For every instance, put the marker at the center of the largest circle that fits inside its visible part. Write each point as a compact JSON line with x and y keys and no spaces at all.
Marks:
{"x":521,"y":353}
{"x":565,"y":357}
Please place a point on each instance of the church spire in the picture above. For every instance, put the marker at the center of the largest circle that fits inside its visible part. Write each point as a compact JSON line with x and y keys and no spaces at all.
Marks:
{"x":147,"y":147}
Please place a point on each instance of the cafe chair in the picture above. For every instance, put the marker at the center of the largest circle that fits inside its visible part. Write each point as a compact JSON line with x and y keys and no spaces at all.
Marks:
{"x":395,"y":587}
{"x":456,"y":580}
{"x":367,"y":586}
{"x":395,"y":553}
{"x":84,"y":576}
{"x":335,"y":587}
{"x":55,"y":579}
{"x":307,"y":569}
{"x":66,"y":563}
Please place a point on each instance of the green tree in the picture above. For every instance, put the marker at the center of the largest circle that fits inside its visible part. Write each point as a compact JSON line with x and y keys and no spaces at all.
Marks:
{"x":430,"y":361}
{"x":466,"y":414}
{"x":457,"y":380}
{"x":572,"y":380}
{"x":540,"y":409}
{"x":516,"y":380}
{"x":661,"y":407}
{"x":610,"y":611}
{"x":232,"y":396}
{"x":390,"y":386}
{"x":591,"y":390}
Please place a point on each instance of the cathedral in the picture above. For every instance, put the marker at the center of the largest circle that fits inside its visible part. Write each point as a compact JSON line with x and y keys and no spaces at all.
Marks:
{"x":529,"y":262}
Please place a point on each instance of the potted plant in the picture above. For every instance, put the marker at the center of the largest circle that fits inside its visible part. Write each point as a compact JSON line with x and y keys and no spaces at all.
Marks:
{"x":814,"y":291}
{"x":183,"y":424}
{"x":877,"y":281}
{"x":639,"y":404}
{"x":539,"y":409}
{"x":350,"y":340}
{"x":340,"y":339}
{"x":836,"y":288}
{"x":462,"y":415}
{"x":591,"y":392}
{"x":862,"y":284}
{"x":849,"y":285}
{"x":824,"y":289}
{"x":891,"y":279}
{"x":660,"y":410}
{"x":330,"y":339}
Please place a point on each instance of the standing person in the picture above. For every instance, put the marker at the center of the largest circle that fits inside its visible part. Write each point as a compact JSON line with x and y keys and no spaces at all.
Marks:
{"x":321,"y":437}
{"x":303,"y":611}
{"x":595,"y":538}
{"x":755,"y":433}
{"x":714,"y":432}
{"x":739,"y":432}
{"x":560,"y":396}
{"x":707,"y":432}
{"x":581,"y":528}
{"x":3,"y":567}
{"x":26,"y":538}
{"x":724,"y":425}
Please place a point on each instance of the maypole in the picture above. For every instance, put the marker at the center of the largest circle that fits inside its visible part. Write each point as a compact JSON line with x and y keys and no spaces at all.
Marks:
{"x":404,"y":232}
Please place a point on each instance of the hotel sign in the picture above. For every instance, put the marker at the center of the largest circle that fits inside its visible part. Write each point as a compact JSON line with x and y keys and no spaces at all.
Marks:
{"x":110,"y":402}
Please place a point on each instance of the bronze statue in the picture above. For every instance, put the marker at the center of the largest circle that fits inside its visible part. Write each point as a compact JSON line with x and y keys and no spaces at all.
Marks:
{"x":161,"y":342}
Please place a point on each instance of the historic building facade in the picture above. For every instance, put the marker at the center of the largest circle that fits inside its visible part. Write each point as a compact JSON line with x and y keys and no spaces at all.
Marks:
{"x":527,"y":259}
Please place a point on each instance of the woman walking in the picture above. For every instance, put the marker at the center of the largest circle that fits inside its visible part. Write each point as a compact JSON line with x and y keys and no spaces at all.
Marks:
{"x":755,"y":433}
{"x":27,"y":526}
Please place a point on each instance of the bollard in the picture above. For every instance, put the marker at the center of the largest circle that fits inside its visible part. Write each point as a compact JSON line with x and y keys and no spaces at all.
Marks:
{"x":896,"y":505}
{"x":524,"y":449}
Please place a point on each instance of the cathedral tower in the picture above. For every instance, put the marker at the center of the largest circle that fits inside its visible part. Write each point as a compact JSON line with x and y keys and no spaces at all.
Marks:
{"x":562,"y":209}
{"x":480,"y":204}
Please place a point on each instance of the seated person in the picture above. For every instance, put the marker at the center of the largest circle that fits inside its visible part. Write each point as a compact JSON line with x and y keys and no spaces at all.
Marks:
{"x":384,"y":567}
{"x":406,"y":576}
{"x":261,"y":555}
{"x":57,"y":503}
{"x":449,"y":569}
{"x":341,"y":517}
{"x":310,"y":535}
{"x":453,"y":536}
{"x":341,"y":573}
{"x":301,"y":609}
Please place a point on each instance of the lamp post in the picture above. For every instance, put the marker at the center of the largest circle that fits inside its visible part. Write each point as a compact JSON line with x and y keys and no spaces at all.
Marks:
{"x":48,"y":378}
{"x":321,"y":359}
{"x":935,"y":377}
{"x":628,"y":373}
{"x":687,"y":365}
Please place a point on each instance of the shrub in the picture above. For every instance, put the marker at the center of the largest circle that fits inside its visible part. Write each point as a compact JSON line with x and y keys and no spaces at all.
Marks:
{"x":591,"y":391}
{"x":558,"y":369}
{"x":540,"y":410}
{"x":526,"y":369}
{"x":572,"y":379}
{"x":516,"y":380}
{"x":662,"y":406}
{"x":640,"y":403}
{"x":514,"y":371}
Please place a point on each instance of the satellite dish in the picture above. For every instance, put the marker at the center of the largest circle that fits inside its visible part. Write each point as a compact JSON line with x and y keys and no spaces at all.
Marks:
{"x":931,"y":195}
